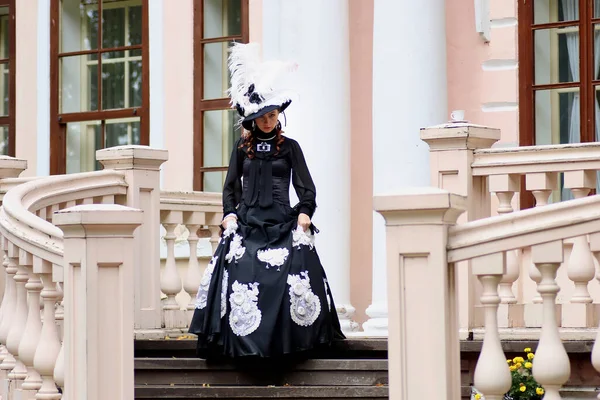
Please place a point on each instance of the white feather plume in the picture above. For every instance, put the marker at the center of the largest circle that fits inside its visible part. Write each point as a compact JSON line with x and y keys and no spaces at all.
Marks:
{"x":267,"y":77}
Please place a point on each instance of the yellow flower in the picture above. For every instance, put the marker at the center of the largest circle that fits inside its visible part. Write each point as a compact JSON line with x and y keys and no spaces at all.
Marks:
{"x":527,"y":350}
{"x":523,"y":388}
{"x":509,"y":361}
{"x":530,"y":356}
{"x":478,"y":396}
{"x":518,"y":360}
{"x":528,"y":365}
{"x":513,"y":367}
{"x":518,"y":365}
{"x":539,"y":391}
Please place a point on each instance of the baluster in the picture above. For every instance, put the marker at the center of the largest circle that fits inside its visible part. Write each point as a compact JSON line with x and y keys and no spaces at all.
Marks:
{"x":541,"y":184}
{"x":3,"y":305}
{"x":59,"y":369}
{"x":49,"y":345}
{"x":193,"y":221}
{"x":213,"y":220}
{"x":33,"y":326}
{"x":510,"y":313}
{"x":580,"y":267}
{"x":170,"y":282}
{"x":551,"y":368}
{"x":595,"y":248}
{"x":492,"y":376}
{"x":10,"y":297}
{"x":19,"y":372}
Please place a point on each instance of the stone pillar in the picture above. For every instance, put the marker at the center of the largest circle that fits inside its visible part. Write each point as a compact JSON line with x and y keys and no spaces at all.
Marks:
{"x":422,"y":300}
{"x":409,"y":92}
{"x":99,"y":303}
{"x":451,"y":149}
{"x":141,"y":166}
{"x":314,"y":33}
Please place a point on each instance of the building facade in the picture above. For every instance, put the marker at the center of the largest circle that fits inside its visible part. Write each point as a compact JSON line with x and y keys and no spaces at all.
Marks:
{"x":81,"y":75}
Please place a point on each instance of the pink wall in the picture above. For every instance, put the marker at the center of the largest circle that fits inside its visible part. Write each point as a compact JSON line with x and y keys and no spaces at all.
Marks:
{"x":482,"y":77}
{"x":361,"y":154}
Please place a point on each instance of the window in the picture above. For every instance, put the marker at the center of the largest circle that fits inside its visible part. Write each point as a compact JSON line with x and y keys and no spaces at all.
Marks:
{"x":99,"y":79}
{"x":217,"y":23}
{"x":7,"y":77}
{"x":559,"y":73}
{"x":559,"y":67}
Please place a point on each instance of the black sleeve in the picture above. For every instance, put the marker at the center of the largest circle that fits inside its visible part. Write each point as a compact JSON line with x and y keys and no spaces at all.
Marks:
{"x":232,"y":189}
{"x":302,"y":181}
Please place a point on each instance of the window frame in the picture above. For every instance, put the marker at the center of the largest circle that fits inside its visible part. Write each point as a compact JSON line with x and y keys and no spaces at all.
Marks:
{"x":59,"y":120}
{"x":201,"y":105}
{"x":527,"y":86}
{"x":10,"y":119}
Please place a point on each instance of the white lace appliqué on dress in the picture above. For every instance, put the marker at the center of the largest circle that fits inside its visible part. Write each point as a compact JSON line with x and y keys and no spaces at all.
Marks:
{"x":202,"y":294}
{"x":244,"y":317}
{"x":236,"y":250}
{"x":224,"y":283}
{"x":301,"y":238}
{"x":273,"y":257}
{"x":305,"y":307}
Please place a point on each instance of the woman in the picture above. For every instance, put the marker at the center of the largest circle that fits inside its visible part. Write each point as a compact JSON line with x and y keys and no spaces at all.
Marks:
{"x":264,"y":293}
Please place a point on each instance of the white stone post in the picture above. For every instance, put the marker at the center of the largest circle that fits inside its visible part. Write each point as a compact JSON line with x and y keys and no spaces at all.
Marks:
{"x":407,"y":95}
{"x":99,"y":303}
{"x":422,"y":297}
{"x":320,"y":121}
{"x":451,"y":153}
{"x":141,"y":166}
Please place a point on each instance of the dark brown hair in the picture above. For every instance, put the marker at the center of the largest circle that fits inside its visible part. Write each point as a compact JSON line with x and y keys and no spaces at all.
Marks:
{"x":249,"y":140}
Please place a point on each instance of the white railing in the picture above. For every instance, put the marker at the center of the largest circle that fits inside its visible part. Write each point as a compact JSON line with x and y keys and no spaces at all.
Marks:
{"x":425,"y":253}
{"x":65,"y":237}
{"x":491,"y":179}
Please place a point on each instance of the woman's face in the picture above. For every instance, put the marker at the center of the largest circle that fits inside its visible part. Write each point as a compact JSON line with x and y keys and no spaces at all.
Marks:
{"x":267,"y":122}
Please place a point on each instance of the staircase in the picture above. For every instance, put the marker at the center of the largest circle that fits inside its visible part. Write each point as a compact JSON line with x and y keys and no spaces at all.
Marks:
{"x":354,"y":369}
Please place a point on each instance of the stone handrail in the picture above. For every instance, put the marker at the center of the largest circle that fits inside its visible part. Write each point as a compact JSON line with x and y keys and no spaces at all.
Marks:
{"x":535,"y":159}
{"x":524,"y":228}
{"x":21,"y":226}
{"x":425,"y":248}
{"x":199,"y":215}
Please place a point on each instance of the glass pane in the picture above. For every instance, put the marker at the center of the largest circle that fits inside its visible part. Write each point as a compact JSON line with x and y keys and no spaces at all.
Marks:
{"x":213,"y":181}
{"x":134,"y":75}
{"x":597,"y":49}
{"x":596,"y":8}
{"x":557,"y":118}
{"x":546,"y":11}
{"x":220,"y":134}
{"x":135,"y":25}
{"x":83,"y":139}
{"x":122,"y":132}
{"x":222,"y":18}
{"x":4,"y":33}
{"x":4,"y":140}
{"x":78,"y":25}
{"x":113,"y":26}
{"x":114,"y":80}
{"x":4,"y":86}
{"x":216,"y":75}
{"x":78,"y":84}
{"x":556,"y":55}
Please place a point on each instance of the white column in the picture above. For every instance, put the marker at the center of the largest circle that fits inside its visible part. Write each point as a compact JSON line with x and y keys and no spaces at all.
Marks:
{"x":409,"y":92}
{"x":314,"y":33}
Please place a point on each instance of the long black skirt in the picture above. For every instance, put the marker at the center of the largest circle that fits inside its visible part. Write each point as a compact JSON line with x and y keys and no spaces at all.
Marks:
{"x":265,"y":292}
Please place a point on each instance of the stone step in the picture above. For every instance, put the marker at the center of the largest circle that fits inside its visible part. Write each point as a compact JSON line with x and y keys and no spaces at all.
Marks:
{"x":261,"y":392}
{"x":354,"y":348}
{"x":314,"y":372}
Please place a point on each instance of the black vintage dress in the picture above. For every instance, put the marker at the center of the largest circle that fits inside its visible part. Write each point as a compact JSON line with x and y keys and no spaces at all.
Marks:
{"x":265,"y":292}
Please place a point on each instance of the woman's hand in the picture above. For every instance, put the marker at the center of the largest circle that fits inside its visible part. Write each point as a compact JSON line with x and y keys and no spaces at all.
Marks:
{"x":228,"y":220}
{"x":304,"y":221}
